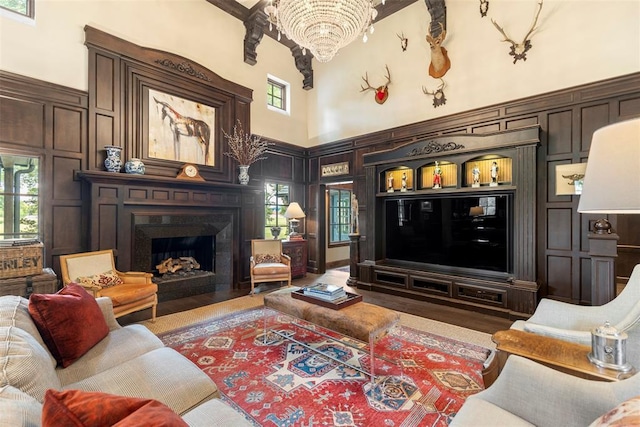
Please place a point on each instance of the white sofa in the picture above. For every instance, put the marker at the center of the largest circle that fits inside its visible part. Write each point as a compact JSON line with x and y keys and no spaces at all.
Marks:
{"x":529,"y":394}
{"x":131,"y":361}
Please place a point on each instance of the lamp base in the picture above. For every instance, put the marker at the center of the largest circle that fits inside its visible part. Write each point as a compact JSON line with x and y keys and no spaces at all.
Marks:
{"x":602,"y":226}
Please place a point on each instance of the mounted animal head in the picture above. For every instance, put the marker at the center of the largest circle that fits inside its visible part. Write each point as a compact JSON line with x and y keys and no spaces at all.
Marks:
{"x":382,"y":92}
{"x":519,"y":50}
{"x":440,"y":63}
{"x":404,"y":42}
{"x":438,"y":95}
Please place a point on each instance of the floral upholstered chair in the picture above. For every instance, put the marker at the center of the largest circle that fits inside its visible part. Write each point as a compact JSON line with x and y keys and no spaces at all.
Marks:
{"x":268,"y":263}
{"x":97,"y":274}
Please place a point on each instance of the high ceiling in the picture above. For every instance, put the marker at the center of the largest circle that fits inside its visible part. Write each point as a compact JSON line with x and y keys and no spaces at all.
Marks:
{"x":245,"y":10}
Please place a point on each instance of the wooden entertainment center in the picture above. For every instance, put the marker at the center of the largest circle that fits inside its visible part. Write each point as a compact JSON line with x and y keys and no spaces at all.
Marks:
{"x":467,"y":204}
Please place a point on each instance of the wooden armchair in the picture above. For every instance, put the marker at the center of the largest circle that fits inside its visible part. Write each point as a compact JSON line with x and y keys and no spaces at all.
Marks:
{"x":96,"y":272}
{"x":268,"y":263}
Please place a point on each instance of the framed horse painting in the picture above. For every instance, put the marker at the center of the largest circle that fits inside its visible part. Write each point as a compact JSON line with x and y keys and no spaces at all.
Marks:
{"x":180,"y":129}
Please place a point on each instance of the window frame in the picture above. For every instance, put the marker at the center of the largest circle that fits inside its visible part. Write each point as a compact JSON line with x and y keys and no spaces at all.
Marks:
{"x":285,"y":89}
{"x":344,"y":214}
{"x":282,"y":198}
{"x":24,"y":199}
{"x":13,"y":13}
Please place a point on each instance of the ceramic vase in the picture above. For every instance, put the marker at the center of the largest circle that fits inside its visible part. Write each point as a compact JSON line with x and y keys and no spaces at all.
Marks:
{"x":113,"y":162}
{"x":134,"y":166}
{"x":244,"y":174}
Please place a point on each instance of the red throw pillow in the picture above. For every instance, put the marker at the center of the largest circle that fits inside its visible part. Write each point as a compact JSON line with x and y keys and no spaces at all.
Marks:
{"x":94,"y":409}
{"x":70,"y":322}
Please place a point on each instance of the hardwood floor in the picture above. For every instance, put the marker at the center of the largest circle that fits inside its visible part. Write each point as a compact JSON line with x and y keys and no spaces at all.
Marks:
{"x":455,"y":316}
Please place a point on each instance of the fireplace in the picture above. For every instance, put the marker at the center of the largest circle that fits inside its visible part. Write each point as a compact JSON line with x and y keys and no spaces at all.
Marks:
{"x":203,"y":238}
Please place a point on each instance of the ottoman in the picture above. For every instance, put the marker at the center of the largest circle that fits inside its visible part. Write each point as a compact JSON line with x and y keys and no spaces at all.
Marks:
{"x":360,"y":321}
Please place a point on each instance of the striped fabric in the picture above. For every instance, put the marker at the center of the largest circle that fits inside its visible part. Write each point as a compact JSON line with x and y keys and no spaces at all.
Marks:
{"x":14,"y":311}
{"x":25,"y":364}
{"x":215,"y":413}
{"x":18,"y":408}
{"x":162,"y":374}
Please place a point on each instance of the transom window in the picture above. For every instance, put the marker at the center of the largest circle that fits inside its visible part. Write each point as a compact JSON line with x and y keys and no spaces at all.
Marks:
{"x":276,"y":95}
{"x":22,"y":7}
{"x":19,"y":197}
{"x":275,"y":204}
{"x":339,"y":215}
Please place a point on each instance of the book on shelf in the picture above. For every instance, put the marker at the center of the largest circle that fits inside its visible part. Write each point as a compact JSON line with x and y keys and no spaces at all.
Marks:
{"x":324,"y":289}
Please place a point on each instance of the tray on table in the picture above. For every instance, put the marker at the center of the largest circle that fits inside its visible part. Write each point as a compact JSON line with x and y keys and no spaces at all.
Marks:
{"x":351,"y":299}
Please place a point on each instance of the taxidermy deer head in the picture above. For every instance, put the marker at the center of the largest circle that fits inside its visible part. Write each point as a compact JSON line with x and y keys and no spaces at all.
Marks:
{"x":382,"y":93}
{"x":484,"y":8}
{"x":440,"y":63}
{"x":519,"y":50}
{"x":438,"y":95}
{"x":403,"y":41}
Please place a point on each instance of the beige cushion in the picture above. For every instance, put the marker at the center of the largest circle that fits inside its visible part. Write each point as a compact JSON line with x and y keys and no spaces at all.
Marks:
{"x":18,"y":408}
{"x":14,"y":311}
{"x":26,"y":365}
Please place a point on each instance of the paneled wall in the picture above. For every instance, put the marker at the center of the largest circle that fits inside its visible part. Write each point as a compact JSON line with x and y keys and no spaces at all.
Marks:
{"x":567,"y":120}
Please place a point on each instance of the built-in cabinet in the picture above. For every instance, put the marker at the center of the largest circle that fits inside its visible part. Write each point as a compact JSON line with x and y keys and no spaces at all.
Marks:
{"x":297,"y":251}
{"x":454,"y":221}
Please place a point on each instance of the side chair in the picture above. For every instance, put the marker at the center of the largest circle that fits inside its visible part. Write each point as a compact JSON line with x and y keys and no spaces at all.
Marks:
{"x":96,"y":273}
{"x":268,"y":263}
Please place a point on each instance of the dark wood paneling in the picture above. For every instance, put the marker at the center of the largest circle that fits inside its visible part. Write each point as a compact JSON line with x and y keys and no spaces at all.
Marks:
{"x":67,"y":234}
{"x":560,"y":140}
{"x":593,"y":118}
{"x":559,"y":229}
{"x":22,"y":122}
{"x":64,"y":187}
{"x":559,"y":276}
{"x":68,"y":129}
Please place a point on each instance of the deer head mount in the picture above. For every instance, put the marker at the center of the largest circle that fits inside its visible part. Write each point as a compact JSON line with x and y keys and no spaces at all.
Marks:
{"x":440,"y":63}
{"x":404,"y":42}
{"x":519,"y":50}
{"x":382,"y":92}
{"x":484,"y":8}
{"x":438,"y":95}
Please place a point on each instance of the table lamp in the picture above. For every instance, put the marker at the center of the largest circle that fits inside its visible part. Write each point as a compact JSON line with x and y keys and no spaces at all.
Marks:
{"x":293,"y":212}
{"x":612,"y":178}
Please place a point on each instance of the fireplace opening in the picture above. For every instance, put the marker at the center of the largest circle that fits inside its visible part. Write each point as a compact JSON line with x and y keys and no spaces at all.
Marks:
{"x":204,"y":241}
{"x":200,"y":248}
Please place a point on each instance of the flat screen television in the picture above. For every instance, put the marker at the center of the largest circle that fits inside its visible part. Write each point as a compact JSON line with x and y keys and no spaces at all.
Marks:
{"x":467,"y":231}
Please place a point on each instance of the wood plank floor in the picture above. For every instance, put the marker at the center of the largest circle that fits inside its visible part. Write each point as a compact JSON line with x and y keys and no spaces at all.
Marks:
{"x":455,"y":316}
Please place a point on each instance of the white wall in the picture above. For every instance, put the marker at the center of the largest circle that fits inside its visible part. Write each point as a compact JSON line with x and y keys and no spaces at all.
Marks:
{"x":577,"y":42}
{"x":53,"y":49}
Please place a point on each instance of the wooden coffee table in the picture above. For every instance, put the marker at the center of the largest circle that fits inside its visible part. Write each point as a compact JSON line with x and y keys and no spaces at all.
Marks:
{"x":563,"y":356}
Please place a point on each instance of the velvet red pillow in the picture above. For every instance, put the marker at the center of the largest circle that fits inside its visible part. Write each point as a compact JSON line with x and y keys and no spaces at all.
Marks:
{"x":70,"y":322}
{"x":94,"y":409}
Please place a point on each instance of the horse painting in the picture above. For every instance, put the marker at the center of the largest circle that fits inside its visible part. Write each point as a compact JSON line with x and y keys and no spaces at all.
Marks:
{"x":184,"y":126}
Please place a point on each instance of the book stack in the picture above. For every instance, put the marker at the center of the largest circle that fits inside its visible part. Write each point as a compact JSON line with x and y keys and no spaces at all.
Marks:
{"x":326,"y":292}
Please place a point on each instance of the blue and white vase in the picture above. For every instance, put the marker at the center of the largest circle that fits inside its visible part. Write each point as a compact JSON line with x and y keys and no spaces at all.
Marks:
{"x":243,"y":177}
{"x":113,"y":162}
{"x":134,"y":166}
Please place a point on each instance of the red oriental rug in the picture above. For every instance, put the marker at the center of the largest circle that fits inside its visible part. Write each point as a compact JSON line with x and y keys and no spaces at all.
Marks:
{"x":322,"y":378}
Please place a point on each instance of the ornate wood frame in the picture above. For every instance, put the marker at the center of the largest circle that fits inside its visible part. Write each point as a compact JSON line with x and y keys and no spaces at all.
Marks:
{"x":120,"y":76}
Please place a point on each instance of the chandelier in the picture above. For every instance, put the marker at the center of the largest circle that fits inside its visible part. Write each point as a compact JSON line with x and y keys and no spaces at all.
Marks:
{"x":322,"y":26}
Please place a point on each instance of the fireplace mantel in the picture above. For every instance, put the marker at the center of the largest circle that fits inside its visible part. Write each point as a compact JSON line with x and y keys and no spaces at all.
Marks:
{"x":113,"y":200}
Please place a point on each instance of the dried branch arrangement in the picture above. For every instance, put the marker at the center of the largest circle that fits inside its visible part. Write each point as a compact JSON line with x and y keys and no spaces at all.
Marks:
{"x":244,"y":148}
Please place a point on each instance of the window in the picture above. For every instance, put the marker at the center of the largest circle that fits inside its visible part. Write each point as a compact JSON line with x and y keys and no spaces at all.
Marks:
{"x":275,"y":204}
{"x":23,"y":7}
{"x":339,"y":215}
{"x":19,"y":197}
{"x":278,"y":95}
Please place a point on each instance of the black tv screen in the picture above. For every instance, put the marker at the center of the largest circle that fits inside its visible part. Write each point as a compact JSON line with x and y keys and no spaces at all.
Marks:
{"x":458,"y":231}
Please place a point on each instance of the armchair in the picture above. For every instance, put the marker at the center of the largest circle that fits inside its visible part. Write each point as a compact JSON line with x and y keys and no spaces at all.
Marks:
{"x":574,"y":323}
{"x":268,"y":263}
{"x":97,"y":274}
{"x":527,"y":394}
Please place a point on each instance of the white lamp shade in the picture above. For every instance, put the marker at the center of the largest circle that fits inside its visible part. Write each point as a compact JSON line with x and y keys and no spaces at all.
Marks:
{"x":294,"y":211}
{"x":612,"y":179}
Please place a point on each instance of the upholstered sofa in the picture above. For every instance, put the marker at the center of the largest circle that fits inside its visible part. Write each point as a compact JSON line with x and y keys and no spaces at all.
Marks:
{"x":529,"y":394}
{"x":130,"y":361}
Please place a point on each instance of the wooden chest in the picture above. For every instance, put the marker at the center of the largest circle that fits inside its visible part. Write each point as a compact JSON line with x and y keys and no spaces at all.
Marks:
{"x":44,"y":283}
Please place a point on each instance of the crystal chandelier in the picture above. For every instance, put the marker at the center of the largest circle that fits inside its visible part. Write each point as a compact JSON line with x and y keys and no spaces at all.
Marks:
{"x":322,"y":26}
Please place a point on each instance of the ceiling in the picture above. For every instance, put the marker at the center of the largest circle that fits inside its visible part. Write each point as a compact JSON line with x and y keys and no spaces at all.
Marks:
{"x":245,"y":10}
